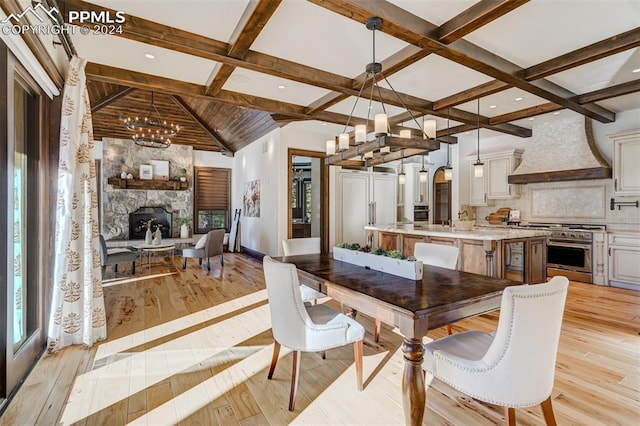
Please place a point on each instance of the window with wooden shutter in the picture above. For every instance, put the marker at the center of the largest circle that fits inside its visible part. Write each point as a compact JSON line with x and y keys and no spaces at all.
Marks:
{"x":212,"y":198}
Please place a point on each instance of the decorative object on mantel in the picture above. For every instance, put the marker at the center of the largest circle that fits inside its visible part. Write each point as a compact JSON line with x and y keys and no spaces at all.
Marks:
{"x":385,"y":145}
{"x":183,"y":175}
{"x":129,"y":176}
{"x":146,"y":172}
{"x":149,"y":185}
{"x":621,"y":204}
{"x":160,"y":169}
{"x":389,"y":262}
{"x":151,"y":130}
{"x":123,"y":175}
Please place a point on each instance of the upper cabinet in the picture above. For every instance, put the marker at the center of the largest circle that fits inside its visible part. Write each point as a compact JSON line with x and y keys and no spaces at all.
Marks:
{"x":626,"y":174}
{"x":499,"y":166}
{"x":494,"y":184}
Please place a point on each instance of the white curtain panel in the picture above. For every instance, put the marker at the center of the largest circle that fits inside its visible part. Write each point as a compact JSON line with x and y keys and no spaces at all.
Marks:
{"x":77,"y":311}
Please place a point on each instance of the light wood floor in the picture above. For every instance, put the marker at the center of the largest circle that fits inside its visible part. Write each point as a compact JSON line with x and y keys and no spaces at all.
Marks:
{"x":193,"y":349}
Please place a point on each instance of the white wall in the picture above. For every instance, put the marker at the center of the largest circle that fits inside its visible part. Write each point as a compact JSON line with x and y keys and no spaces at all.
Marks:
{"x":211,"y":159}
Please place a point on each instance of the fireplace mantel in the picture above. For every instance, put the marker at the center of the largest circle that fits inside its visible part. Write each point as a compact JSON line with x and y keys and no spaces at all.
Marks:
{"x":162,"y":185}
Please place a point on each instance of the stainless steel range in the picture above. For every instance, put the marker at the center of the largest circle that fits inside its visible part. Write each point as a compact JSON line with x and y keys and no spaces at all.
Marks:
{"x":569,"y":250}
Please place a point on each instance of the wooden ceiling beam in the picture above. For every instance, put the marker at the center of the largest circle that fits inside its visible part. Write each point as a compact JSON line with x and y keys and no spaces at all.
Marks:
{"x":474,"y":17}
{"x":152,"y":33}
{"x":401,"y":24}
{"x":621,"y":89}
{"x":213,"y":134}
{"x":594,"y":96}
{"x":595,"y":51}
{"x":97,"y":106}
{"x":255,"y":17}
{"x":602,"y":49}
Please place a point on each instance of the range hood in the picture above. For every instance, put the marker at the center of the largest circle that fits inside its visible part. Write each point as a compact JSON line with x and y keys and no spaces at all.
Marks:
{"x":562,"y":150}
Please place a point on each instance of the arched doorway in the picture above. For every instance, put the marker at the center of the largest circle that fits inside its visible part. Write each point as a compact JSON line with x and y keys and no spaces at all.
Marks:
{"x":441,"y":198}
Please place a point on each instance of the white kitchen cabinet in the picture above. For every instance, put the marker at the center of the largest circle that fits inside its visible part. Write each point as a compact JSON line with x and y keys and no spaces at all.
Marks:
{"x":626,"y":173}
{"x":477,"y":185}
{"x":499,"y":166}
{"x":366,"y":198}
{"x":624,"y":260}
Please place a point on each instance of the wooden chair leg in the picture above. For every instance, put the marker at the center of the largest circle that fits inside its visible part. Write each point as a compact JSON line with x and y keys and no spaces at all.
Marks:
{"x":357,"y":355}
{"x":115,"y":267}
{"x":323,"y":354}
{"x":200,"y":261}
{"x":133,"y":267}
{"x":274,"y":359}
{"x":510,"y":416}
{"x":547,"y":412}
{"x":376,"y":330}
{"x":209,"y":264}
{"x":221,"y":260}
{"x":295,"y":373}
{"x":448,"y":328}
{"x":184,"y":263}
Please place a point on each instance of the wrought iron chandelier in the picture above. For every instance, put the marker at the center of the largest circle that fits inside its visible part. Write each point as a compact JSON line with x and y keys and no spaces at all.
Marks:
{"x":384,"y":146}
{"x":150,"y":129}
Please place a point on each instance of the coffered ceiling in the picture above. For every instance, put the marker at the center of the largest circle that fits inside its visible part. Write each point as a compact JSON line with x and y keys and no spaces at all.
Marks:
{"x":229,"y":71}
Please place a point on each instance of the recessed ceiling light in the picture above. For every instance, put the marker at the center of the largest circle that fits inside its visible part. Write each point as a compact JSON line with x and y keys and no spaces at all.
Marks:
{"x":556,"y":113}
{"x":149,"y":56}
{"x":636,"y":70}
{"x":466,"y":133}
{"x":492,"y":106}
{"x":519,"y":98}
{"x":531,"y":119}
{"x":281,"y":86}
{"x":324,"y":124}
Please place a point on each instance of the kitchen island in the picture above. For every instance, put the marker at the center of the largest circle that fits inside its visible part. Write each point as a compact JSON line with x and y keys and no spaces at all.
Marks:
{"x":502,"y":252}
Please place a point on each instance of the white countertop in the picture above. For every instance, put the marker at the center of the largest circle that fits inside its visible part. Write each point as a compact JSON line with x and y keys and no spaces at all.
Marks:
{"x":477,"y":233}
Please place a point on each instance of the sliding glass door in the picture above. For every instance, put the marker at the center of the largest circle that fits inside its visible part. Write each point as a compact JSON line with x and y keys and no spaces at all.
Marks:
{"x":21,"y":298}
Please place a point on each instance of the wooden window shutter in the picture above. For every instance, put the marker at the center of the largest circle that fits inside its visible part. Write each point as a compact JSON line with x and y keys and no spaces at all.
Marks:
{"x":212,"y":189}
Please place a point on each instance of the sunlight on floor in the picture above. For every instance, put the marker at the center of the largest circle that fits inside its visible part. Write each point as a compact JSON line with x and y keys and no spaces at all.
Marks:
{"x":130,"y":373}
{"x":142,"y":337}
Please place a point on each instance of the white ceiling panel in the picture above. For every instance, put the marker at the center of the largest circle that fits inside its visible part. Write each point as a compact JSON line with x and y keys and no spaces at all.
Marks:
{"x":215,"y":19}
{"x":541,"y":30}
{"x":123,"y":53}
{"x":503,"y":102}
{"x":622,"y":103}
{"x":434,"y":77}
{"x":435,"y":11}
{"x":266,"y":86}
{"x":311,"y":35}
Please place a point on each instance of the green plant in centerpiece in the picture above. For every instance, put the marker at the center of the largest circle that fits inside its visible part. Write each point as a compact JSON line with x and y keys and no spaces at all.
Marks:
{"x":185,"y":220}
{"x":394,"y":254}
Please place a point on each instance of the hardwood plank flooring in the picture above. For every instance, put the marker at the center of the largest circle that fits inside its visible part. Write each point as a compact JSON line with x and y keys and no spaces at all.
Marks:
{"x":193,"y":348}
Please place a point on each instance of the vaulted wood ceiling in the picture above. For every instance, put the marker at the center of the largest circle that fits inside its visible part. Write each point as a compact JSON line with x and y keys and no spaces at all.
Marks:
{"x":222,"y":97}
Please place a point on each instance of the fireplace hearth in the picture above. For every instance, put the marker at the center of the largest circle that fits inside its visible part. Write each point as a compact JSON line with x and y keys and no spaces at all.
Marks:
{"x":159,"y":216}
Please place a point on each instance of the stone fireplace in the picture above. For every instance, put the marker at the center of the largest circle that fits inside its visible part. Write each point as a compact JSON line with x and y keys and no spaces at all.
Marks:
{"x":157,"y":216}
{"x":118,"y":204}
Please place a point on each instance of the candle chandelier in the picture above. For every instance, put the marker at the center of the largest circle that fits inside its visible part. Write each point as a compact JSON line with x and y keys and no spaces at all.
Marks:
{"x":384,"y":146}
{"x":150,"y":129}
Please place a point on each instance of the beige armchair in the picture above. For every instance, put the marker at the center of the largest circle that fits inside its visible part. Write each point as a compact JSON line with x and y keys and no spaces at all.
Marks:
{"x":213,"y":246}
{"x":305,"y":328}
{"x":513,"y":367}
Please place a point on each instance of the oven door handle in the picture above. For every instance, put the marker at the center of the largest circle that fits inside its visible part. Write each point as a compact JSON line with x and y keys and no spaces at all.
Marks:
{"x":570,"y":245}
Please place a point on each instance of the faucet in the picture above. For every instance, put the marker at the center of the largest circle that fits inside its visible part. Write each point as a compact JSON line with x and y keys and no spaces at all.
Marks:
{"x":463,"y":213}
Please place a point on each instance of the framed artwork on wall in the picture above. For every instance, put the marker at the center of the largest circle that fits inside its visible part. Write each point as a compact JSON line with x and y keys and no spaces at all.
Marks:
{"x":160,"y":169}
{"x":146,"y":172}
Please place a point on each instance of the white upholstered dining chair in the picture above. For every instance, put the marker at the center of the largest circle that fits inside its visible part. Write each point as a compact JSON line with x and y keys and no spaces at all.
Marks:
{"x":305,"y":328}
{"x":437,"y":255}
{"x":296,"y":246}
{"x":514,"y":367}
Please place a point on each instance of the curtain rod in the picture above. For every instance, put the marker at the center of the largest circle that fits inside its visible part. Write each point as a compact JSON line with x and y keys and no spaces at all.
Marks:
{"x":65,"y":40}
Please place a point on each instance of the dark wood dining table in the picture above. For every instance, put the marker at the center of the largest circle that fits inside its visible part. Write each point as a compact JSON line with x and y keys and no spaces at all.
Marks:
{"x":442,"y":297}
